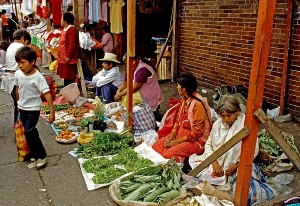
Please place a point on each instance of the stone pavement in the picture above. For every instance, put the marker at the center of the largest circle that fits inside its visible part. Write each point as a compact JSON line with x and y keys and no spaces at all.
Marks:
{"x":60,"y":183}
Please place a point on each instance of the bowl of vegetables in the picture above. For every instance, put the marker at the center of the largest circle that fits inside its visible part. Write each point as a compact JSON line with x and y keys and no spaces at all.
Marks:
{"x":66,"y":136}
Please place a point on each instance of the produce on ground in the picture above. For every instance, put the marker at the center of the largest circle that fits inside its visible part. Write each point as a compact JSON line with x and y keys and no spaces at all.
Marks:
{"x":158,"y":184}
{"x":57,"y":107}
{"x":61,"y":124}
{"x":84,"y":137}
{"x":105,"y":170}
{"x":66,"y":134}
{"x":106,"y":143}
{"x":76,"y":112}
{"x":269,"y":146}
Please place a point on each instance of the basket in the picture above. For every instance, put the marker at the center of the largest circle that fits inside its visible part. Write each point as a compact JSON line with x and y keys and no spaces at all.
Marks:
{"x":70,"y":92}
{"x":67,"y":141}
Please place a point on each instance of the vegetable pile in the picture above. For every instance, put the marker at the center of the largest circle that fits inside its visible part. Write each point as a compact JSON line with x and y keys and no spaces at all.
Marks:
{"x":158,"y":184}
{"x":57,"y":107}
{"x":267,"y":144}
{"x":106,"y":170}
{"x":106,"y":143}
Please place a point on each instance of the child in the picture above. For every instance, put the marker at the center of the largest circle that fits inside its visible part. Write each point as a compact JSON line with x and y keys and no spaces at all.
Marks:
{"x":3,"y":47}
{"x":30,"y":83}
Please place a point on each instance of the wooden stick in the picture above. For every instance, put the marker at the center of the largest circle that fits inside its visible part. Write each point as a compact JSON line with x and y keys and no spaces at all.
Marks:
{"x":80,"y":73}
{"x":275,"y":133}
{"x":161,"y":54}
{"x":219,"y":152}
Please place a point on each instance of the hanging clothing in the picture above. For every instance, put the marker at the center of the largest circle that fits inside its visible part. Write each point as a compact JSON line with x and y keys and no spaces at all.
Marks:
{"x":86,"y":11}
{"x":116,"y":16}
{"x":104,"y":11}
{"x":26,"y":7}
{"x":94,"y":11}
{"x":68,"y":48}
{"x":56,"y":12}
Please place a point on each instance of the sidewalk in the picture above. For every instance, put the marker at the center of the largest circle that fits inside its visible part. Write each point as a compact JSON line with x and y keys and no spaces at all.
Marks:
{"x":60,"y":183}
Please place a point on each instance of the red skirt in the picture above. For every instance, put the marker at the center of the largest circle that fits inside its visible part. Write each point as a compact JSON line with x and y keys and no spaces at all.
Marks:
{"x":67,"y":71}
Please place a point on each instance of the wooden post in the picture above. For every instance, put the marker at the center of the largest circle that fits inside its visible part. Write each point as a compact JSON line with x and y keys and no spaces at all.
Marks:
{"x":80,"y":73}
{"x":131,"y":34}
{"x":286,"y":56}
{"x":219,"y":152}
{"x":175,"y":41}
{"x":261,"y":49}
{"x":275,"y":133}
{"x":161,"y":54}
{"x":75,"y":13}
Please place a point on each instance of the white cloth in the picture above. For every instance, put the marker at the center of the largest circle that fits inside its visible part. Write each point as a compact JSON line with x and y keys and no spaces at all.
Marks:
{"x":30,"y":89}
{"x":219,"y":135}
{"x":11,"y":63}
{"x":2,"y":57}
{"x":103,"y":77}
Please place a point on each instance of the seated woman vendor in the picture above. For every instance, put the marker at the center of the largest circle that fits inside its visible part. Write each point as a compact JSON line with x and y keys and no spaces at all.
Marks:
{"x":145,"y":86}
{"x":223,"y":170}
{"x":192,"y":126}
{"x":109,"y":79}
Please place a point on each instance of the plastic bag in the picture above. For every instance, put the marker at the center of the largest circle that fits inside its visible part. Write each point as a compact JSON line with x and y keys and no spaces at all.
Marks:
{"x":113,"y":108}
{"x":150,"y":137}
{"x":168,"y":121}
{"x":273,"y":112}
{"x":21,"y":143}
{"x":279,"y":188}
{"x":190,"y":181}
{"x":80,"y":101}
{"x":284,"y":178}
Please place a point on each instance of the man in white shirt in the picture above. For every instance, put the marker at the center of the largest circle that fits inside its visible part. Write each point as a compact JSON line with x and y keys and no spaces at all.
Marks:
{"x":109,"y":79}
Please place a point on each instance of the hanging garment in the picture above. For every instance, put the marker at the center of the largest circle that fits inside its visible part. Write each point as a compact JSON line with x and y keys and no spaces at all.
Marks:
{"x":86,"y":11}
{"x":104,"y":11}
{"x":116,"y":16}
{"x":94,"y":11}
{"x":56,"y":12}
{"x":26,"y":7}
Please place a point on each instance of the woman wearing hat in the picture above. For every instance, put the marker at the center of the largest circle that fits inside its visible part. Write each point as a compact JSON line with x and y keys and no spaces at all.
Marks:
{"x":109,"y":79}
{"x":68,"y":50}
{"x":145,"y":87}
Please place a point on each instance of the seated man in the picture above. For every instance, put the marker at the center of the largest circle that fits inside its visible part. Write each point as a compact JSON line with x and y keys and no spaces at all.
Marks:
{"x":109,"y":79}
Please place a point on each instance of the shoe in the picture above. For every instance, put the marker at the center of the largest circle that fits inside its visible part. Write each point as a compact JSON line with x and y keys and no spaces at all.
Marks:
{"x":40,"y":162}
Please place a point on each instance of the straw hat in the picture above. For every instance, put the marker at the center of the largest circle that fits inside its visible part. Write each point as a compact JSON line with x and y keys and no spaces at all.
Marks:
{"x":110,"y":57}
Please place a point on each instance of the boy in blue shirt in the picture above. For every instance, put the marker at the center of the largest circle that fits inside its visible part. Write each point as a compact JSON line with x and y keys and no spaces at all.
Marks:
{"x":30,"y":83}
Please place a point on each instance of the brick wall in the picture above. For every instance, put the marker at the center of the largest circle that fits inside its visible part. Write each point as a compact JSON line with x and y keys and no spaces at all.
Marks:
{"x":216,"y":44}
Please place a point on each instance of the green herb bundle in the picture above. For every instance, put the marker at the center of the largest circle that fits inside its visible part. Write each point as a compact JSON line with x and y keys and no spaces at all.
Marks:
{"x":57,"y":107}
{"x":105,"y":171}
{"x":106,"y":143}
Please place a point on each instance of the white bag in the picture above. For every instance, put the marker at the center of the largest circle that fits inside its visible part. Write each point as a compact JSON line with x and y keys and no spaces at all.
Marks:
{"x":150,"y":137}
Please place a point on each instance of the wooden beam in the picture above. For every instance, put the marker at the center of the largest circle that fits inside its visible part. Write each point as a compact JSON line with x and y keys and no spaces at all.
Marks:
{"x":263,"y":34}
{"x":161,"y":54}
{"x":131,"y":34}
{"x":275,"y":133}
{"x":175,"y":41}
{"x":286,"y":56}
{"x":75,"y":13}
{"x":80,"y":73}
{"x":219,"y":152}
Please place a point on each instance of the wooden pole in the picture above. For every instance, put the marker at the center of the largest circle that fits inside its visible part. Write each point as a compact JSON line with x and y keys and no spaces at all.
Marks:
{"x":131,"y":45}
{"x":175,"y":41}
{"x":261,"y":49}
{"x":15,"y":3}
{"x":286,"y":56}
{"x":161,"y":54}
{"x":75,"y":13}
